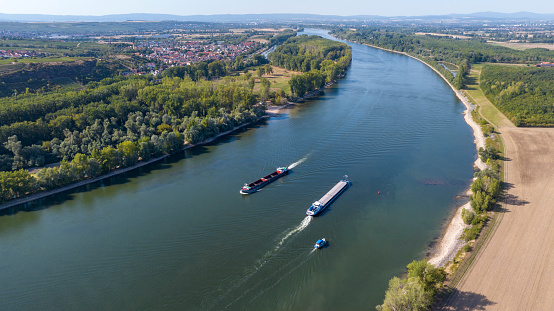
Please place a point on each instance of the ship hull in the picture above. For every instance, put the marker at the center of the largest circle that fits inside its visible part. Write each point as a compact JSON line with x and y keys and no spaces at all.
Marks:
{"x":264,"y":181}
{"x":328,"y":198}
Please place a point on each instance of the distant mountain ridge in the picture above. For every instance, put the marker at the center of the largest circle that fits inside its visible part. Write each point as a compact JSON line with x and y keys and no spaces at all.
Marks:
{"x":257,"y":17}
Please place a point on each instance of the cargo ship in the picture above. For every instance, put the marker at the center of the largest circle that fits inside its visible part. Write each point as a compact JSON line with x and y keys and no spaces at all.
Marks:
{"x":262,"y":182}
{"x":329,"y":197}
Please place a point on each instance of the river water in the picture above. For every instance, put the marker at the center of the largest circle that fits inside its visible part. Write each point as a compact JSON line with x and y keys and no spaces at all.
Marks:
{"x":178,"y":235}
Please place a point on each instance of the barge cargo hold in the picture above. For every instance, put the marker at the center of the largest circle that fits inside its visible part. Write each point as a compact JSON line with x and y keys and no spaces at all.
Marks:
{"x":262,"y":182}
{"x":328,"y":198}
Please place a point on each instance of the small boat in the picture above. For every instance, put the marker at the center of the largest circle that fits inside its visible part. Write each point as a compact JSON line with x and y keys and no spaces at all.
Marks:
{"x":329,"y":197}
{"x":320,"y":243}
{"x":262,"y":182}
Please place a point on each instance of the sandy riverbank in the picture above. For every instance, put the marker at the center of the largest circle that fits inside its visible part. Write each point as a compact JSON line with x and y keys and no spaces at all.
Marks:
{"x":276,"y":110}
{"x":449,"y":244}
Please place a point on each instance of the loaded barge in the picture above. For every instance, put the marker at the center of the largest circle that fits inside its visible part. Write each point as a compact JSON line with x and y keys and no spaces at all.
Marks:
{"x":328,"y":198}
{"x":262,"y":182}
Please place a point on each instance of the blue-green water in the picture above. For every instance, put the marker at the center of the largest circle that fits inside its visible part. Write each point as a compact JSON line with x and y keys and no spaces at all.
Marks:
{"x":178,"y":235}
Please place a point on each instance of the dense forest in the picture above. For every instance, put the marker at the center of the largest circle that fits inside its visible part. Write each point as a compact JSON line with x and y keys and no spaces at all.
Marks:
{"x":320,"y":61}
{"x":112,"y":123}
{"x":524,"y":94}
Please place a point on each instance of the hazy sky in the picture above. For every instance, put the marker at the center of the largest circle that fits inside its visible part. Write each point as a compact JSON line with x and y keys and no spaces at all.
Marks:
{"x":336,"y":7}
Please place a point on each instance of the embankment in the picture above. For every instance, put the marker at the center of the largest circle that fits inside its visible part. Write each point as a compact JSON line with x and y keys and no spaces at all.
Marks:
{"x":44,"y":194}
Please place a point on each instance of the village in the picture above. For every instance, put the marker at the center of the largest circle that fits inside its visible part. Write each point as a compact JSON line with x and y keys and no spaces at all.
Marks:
{"x":20,"y":54}
{"x":191,"y":52}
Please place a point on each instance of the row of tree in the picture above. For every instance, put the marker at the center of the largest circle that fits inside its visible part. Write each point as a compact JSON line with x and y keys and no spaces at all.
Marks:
{"x":214,"y":69}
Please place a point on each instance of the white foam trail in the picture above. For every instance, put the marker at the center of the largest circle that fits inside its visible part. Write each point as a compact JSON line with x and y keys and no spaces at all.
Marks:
{"x":305,"y":222}
{"x":285,"y":267}
{"x":257,"y":266}
{"x":295,"y":164}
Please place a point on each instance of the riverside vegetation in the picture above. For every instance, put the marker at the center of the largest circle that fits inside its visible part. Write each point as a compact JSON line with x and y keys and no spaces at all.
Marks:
{"x":415,"y":293}
{"x":523,"y":94}
{"x":117,"y":121}
{"x":320,"y":61}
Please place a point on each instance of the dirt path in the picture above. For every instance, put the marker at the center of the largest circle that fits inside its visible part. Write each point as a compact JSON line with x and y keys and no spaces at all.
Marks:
{"x":515,"y":269}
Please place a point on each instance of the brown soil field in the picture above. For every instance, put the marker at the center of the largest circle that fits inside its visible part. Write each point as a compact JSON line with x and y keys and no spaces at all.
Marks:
{"x":523,"y":46}
{"x":442,"y":35}
{"x":515,"y":269}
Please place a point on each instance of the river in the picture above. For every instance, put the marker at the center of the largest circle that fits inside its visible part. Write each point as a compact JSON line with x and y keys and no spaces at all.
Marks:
{"x":177,"y":235}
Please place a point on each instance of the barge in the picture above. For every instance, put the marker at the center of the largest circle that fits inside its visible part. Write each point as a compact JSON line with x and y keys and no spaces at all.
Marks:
{"x":329,"y":197}
{"x":262,"y":182}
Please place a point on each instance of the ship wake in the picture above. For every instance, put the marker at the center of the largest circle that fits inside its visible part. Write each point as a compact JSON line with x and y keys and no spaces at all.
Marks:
{"x":303,"y":225}
{"x":227,"y":287}
{"x":295,"y":164}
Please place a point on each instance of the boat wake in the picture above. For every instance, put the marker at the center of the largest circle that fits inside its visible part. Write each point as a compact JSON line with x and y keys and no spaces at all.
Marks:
{"x":303,"y":225}
{"x":295,"y":164}
{"x":284,"y":271}
{"x":229,"y":286}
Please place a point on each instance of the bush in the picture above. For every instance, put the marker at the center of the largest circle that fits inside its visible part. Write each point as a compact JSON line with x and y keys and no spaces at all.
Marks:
{"x":467,"y":216}
{"x":481,"y":219}
{"x":472,"y":233}
{"x":488,"y":153}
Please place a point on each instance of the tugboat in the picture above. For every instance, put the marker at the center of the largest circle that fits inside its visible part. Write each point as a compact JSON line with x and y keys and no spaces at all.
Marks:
{"x":262,"y":182}
{"x":320,"y":243}
{"x":329,"y":197}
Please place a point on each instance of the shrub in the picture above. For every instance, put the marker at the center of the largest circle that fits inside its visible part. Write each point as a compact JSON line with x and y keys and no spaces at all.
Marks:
{"x":467,"y":216}
{"x":472,"y":233}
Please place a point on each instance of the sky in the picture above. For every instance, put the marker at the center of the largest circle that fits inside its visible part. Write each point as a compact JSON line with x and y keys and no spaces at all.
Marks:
{"x":325,"y":7}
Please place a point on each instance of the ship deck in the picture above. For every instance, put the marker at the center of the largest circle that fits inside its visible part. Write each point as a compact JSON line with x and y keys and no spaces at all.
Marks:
{"x":333,"y":192}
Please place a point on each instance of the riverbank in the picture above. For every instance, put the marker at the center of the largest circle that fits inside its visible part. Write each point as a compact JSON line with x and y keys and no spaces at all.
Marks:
{"x":41,"y":195}
{"x":450,"y":242}
{"x":276,"y":110}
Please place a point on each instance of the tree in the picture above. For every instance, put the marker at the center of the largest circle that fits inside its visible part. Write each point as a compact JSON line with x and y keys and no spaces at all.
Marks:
{"x":467,"y":216}
{"x":406,"y":295}
{"x":14,"y":145}
{"x":80,"y":164}
{"x":129,"y":152}
{"x":488,"y":153}
{"x":109,"y":158}
{"x":268,"y":69}
{"x":426,"y":273}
